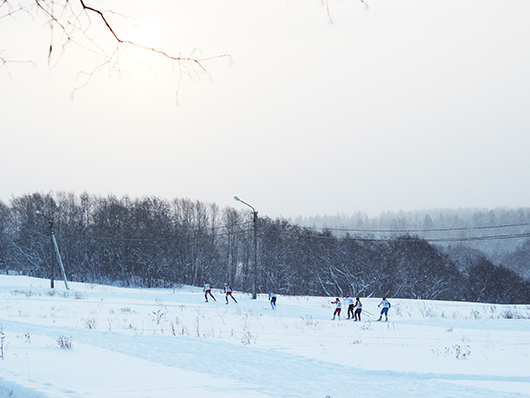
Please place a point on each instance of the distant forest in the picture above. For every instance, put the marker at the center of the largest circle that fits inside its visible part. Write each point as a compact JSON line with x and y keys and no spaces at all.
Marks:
{"x":459,"y":255}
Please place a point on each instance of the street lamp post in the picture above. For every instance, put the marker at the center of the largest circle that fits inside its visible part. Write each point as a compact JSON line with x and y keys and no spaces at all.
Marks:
{"x":255,"y":265}
{"x":58,"y":254}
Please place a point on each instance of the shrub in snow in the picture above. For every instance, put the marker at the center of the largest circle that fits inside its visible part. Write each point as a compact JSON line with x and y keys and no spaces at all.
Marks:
{"x":513,"y":314}
{"x":157,"y":316}
{"x":475,"y":314}
{"x":247,"y":338}
{"x":309,"y":321}
{"x":79,"y":295}
{"x":458,"y":351}
{"x":3,"y":346}
{"x":65,"y":342}
{"x":90,"y":323}
{"x":26,"y":293}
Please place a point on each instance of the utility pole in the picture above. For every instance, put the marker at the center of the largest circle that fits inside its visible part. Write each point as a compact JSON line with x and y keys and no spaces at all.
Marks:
{"x":57,"y":253}
{"x":255,"y":265}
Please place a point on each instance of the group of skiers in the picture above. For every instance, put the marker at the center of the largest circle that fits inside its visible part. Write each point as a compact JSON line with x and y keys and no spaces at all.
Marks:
{"x":207,"y":289}
{"x":355,"y":308}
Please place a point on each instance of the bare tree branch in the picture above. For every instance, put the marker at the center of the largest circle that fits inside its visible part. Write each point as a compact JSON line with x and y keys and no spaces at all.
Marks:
{"x":74,"y":20}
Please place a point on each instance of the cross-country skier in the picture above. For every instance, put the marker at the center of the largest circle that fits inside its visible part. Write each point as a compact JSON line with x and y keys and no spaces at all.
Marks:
{"x":337,"y":308}
{"x":272,"y":298}
{"x":228,"y":292}
{"x":207,"y":291}
{"x":385,"y":306}
{"x":358,"y":309}
{"x":349,"y":300}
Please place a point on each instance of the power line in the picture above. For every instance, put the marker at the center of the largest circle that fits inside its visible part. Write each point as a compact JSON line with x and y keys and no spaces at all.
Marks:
{"x":218,"y":231}
{"x":419,"y":230}
{"x":438,"y":240}
{"x":433,"y":240}
{"x":477,"y":238}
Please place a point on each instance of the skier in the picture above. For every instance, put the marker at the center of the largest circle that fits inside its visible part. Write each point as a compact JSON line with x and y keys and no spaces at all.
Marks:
{"x":358,"y":309}
{"x":207,"y":291}
{"x":228,"y":292}
{"x":385,"y":306}
{"x":272,"y":298}
{"x":349,"y":300}
{"x":337,"y":308}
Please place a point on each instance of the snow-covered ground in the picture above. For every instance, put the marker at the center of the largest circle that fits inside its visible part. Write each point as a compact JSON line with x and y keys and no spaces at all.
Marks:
{"x":156,"y":343}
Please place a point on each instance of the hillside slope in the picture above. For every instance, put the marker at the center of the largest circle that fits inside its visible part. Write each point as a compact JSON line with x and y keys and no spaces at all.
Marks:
{"x":157,"y":343}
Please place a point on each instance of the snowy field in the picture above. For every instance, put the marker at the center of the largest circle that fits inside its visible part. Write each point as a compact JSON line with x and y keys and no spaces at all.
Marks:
{"x":108,"y":342}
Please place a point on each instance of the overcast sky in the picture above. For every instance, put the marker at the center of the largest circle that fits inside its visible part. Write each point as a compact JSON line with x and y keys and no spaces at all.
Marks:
{"x":408,"y":105}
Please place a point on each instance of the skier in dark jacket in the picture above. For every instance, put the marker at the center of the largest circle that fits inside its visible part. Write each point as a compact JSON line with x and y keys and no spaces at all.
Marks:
{"x":349,"y":300}
{"x":358,"y":309}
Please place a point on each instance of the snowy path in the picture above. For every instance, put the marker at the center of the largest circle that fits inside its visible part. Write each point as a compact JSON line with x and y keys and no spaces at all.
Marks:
{"x":272,"y":372}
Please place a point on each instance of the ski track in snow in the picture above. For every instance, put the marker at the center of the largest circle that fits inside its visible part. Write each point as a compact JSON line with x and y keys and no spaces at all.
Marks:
{"x":270,"y":372}
{"x":276,"y":373}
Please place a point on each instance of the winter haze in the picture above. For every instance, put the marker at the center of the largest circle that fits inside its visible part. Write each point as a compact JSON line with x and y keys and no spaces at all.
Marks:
{"x":406,"y":105}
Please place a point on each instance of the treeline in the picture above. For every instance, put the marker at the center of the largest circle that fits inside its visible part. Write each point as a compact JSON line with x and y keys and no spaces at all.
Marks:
{"x":442,"y":226}
{"x":152,"y":242}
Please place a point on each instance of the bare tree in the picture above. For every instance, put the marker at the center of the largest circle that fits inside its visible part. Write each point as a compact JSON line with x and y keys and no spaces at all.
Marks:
{"x":98,"y":31}
{"x":85,"y":24}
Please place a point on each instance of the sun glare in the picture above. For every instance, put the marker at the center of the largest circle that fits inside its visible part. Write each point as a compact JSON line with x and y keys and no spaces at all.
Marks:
{"x":144,"y":34}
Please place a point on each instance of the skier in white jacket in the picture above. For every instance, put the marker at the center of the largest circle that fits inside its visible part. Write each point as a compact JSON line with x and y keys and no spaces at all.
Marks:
{"x":385,"y":306}
{"x":228,"y":293}
{"x":337,"y":308}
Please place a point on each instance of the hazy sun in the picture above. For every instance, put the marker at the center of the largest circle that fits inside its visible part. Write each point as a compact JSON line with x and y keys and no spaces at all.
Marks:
{"x":144,"y":34}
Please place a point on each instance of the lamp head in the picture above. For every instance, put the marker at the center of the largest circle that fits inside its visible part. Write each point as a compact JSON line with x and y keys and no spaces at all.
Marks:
{"x":237,"y":199}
